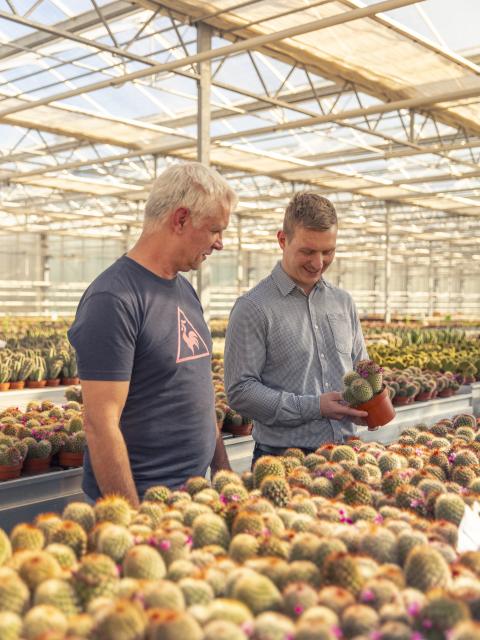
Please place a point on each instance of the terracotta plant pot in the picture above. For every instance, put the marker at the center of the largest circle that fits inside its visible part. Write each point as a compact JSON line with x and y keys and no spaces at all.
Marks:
{"x":68,"y":381}
{"x":36,"y":384}
{"x":445,"y":393}
{"x":380,"y":410}
{"x":36,"y":465}
{"x":242,"y":430}
{"x":53,"y":382}
{"x":11,"y":471}
{"x":69,"y":459}
{"x":423,"y":396}
{"x":401,"y":401}
{"x":4,"y":386}
{"x":18,"y":384}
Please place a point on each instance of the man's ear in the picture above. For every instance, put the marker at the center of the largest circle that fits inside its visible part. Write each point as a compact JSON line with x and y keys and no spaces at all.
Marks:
{"x":179,"y":218}
{"x":281,"y":237}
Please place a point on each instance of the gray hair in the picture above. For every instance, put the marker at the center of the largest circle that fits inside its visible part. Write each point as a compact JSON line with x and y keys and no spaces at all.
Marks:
{"x":191,"y":185}
{"x":310,"y":210}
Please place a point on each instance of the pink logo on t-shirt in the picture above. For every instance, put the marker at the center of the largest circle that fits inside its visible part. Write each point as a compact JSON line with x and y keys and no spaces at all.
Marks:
{"x":190,"y":343}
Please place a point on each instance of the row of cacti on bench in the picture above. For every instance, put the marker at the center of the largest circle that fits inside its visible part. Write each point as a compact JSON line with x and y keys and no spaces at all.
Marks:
{"x":20,"y":366}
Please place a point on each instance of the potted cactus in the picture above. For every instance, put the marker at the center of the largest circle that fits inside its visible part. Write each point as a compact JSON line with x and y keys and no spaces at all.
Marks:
{"x":36,"y":379}
{"x":11,"y":460}
{"x":38,"y":455}
{"x":236,"y":424}
{"x":427,"y":387}
{"x":54,"y":365}
{"x":21,"y":368}
{"x":365,"y":390}
{"x":69,"y":369}
{"x":466,"y":371}
{"x":4,"y":375}
{"x":71,"y":454}
{"x":406,"y":390}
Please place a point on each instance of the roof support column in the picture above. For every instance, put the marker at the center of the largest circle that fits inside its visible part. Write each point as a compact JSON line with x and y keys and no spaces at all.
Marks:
{"x":240,"y":265}
{"x":431,"y":282}
{"x":43,"y":275}
{"x":388,"y":265}
{"x":204,"y":43}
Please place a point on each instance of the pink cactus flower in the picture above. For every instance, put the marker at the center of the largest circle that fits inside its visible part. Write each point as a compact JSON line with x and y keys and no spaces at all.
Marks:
{"x":413,"y":609}
{"x":367,"y":595}
{"x":247,"y":627}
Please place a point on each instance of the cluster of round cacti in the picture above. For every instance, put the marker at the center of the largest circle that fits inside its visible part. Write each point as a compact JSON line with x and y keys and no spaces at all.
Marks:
{"x":356,"y":540}
{"x":411,"y":384}
{"x":430,"y":351}
{"x":41,"y":431}
{"x":364,"y":382}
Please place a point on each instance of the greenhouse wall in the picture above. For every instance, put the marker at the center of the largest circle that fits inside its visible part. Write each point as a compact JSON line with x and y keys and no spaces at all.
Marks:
{"x":46,"y":274}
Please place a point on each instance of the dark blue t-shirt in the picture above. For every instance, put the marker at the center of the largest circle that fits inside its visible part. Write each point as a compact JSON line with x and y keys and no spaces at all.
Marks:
{"x":133,"y":325}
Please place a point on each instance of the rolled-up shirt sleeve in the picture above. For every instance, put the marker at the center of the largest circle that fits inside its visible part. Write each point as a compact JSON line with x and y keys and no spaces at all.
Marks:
{"x":245,"y":355}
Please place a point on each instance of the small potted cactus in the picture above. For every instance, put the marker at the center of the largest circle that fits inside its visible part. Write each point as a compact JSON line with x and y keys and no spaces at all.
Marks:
{"x":427,"y":387}
{"x":21,"y":368}
{"x":11,"y":460}
{"x":71,"y":454}
{"x":38,"y":456}
{"x":54,"y":366}
{"x":69,"y":369}
{"x":4,"y":375}
{"x":406,"y":391}
{"x":236,"y":424}
{"x":365,"y":390}
{"x":36,"y":379}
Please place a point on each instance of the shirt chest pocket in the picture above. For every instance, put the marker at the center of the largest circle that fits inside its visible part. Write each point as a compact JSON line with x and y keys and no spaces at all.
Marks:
{"x":342,"y":332}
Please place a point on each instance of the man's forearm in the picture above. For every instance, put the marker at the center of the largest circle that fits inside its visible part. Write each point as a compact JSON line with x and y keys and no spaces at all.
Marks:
{"x":220,"y":459}
{"x":109,"y":458}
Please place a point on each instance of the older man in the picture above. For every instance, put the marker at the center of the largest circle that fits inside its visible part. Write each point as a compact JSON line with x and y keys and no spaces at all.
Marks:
{"x":292,"y":337}
{"x":144,"y":350}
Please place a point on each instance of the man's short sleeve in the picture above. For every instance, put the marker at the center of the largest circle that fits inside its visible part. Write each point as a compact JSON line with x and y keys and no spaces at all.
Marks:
{"x":104,"y":336}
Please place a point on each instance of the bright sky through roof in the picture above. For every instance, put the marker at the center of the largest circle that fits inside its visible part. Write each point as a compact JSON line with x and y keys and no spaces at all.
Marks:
{"x":433,"y":19}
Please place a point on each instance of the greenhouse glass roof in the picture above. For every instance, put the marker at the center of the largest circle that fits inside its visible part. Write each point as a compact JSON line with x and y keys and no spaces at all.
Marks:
{"x":375,"y":104}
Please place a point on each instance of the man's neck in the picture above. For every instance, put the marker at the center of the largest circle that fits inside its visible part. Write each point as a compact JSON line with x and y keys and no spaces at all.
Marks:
{"x":148,"y":252}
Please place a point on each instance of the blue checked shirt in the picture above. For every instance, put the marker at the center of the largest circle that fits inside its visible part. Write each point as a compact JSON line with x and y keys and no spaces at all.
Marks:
{"x":283,"y":349}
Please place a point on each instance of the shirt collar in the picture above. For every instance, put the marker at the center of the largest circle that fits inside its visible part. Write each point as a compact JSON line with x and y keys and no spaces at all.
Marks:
{"x":286,"y":284}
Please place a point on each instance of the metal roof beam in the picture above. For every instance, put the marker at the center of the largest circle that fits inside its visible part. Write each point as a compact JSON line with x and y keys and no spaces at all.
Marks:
{"x":72,"y":26}
{"x":242,"y":45}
